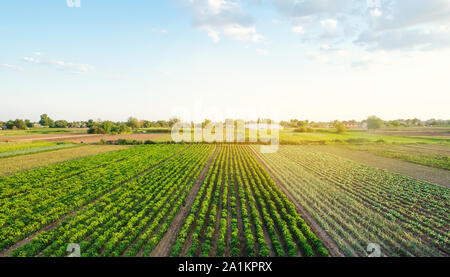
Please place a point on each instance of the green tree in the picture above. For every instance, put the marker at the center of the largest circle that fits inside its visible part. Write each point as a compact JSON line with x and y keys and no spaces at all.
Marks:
{"x":173,"y":121}
{"x":374,"y":122}
{"x":46,"y":121}
{"x":133,"y":123}
{"x":28,"y":123}
{"x":61,"y":123}
{"x":340,"y":127}
{"x":90,"y":123}
{"x":20,"y":124}
{"x":9,"y":124}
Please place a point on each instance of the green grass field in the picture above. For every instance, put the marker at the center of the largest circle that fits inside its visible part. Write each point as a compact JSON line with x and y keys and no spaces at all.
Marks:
{"x":43,"y":131}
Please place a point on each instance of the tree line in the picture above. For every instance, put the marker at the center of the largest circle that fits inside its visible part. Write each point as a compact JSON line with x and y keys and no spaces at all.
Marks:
{"x":303,"y":126}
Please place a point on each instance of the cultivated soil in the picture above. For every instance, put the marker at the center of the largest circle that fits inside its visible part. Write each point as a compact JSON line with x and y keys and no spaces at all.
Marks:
{"x":433,"y":175}
{"x":53,"y":225}
{"x":327,"y":241}
{"x":86,"y":138}
{"x":165,"y":245}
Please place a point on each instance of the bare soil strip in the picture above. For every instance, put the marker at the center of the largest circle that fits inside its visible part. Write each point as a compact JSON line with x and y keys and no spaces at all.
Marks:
{"x":433,"y":175}
{"x":164,"y":246}
{"x":327,"y":241}
{"x":86,"y":138}
{"x":189,"y":239}
{"x":53,"y":225}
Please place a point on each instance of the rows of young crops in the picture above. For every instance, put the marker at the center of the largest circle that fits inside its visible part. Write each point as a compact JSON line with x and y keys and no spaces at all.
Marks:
{"x":17,"y":149}
{"x":9,"y":147}
{"x":239,"y":211}
{"x":36,"y":198}
{"x":15,"y":164}
{"x":358,"y":205}
{"x":131,"y":219}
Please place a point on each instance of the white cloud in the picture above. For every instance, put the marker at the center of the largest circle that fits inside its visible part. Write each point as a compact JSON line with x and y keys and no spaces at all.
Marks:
{"x":409,"y":39}
{"x":37,"y":53}
{"x":329,"y":25}
{"x":376,"y":12}
{"x":407,"y":25}
{"x":11,"y":67}
{"x":238,"y":32}
{"x":71,"y":67}
{"x":325,"y":47}
{"x":61,"y":65}
{"x":225,"y":17}
{"x":296,"y":8}
{"x":214,"y":35}
{"x":31,"y":60}
{"x":162,"y":31}
{"x":298,"y":29}
{"x":73,"y":3}
{"x":317,"y":56}
{"x":217,"y":6}
{"x":371,"y":24}
{"x":404,"y":14}
{"x":262,"y":52}
{"x":370,"y":59}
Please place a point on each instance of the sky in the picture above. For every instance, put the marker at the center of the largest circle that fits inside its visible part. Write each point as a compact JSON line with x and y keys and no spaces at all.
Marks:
{"x":309,"y":59}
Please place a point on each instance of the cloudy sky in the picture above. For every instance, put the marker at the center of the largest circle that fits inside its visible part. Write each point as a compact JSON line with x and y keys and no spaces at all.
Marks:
{"x":308,"y":59}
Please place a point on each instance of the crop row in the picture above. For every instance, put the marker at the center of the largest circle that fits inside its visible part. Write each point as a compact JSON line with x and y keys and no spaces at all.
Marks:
{"x":407,"y":217}
{"x":239,"y":211}
{"x":128,"y":221}
{"x":37,"y":202}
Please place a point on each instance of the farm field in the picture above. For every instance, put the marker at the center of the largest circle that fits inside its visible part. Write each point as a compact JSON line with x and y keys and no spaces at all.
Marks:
{"x":415,"y":170}
{"x":356,"y":204}
{"x":439,"y":132}
{"x":153,"y":196}
{"x":216,"y":200}
{"x":240,"y":212}
{"x":432,"y":155}
{"x":10,"y":149}
{"x":10,"y":165}
{"x":288,"y":136}
{"x":88,"y":138}
{"x":34,"y":199}
{"x":4,"y":134}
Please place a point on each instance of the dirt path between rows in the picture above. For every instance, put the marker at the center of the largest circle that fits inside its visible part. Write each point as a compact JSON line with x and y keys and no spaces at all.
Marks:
{"x":164,"y":246}
{"x":51,"y":226}
{"x":430,"y":174}
{"x":327,"y":241}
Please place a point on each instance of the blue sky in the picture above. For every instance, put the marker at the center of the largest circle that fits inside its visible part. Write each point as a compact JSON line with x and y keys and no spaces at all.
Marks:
{"x":309,"y":59}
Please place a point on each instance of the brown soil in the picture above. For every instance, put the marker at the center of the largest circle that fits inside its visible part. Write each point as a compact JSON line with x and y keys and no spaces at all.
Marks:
{"x":41,"y":137}
{"x":436,"y":133}
{"x":164,"y":246}
{"x":327,"y":241}
{"x":86,"y":138}
{"x":417,"y":171}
